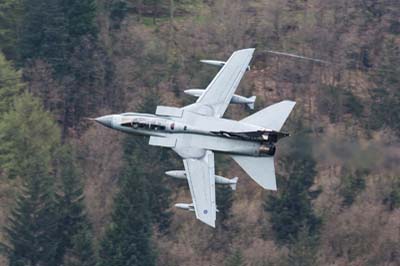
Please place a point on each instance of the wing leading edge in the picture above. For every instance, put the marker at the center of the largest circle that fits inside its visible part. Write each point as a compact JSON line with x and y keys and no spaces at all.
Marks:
{"x":201,"y":178}
{"x":217,"y":96}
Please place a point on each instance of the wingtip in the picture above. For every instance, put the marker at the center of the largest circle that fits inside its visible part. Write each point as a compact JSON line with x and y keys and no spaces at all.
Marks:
{"x":272,"y":187}
{"x":246,"y":50}
{"x":211,"y":223}
{"x":290,"y":103}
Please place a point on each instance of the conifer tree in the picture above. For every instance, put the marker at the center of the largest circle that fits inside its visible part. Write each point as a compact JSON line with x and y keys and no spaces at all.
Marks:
{"x":386,"y":98}
{"x":63,"y":34}
{"x":128,"y":238}
{"x":81,"y":253}
{"x":10,"y":24}
{"x":303,"y":251}
{"x":118,"y":11}
{"x":10,"y":85}
{"x":52,"y":31}
{"x":53,"y":28}
{"x":291,"y":210}
{"x":158,"y":191}
{"x":44,"y":33}
{"x":236,"y":259}
{"x":74,"y":230}
{"x":81,"y":18}
{"x":29,"y":137}
{"x":224,"y":196}
{"x":27,"y":132}
{"x":32,"y":230}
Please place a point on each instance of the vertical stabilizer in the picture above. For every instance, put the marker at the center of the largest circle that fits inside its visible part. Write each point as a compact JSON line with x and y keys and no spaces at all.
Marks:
{"x":273,"y":117}
{"x":260,"y":169}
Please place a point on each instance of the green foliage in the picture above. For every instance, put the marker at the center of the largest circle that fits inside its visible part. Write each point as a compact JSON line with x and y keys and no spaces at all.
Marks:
{"x":236,"y":259}
{"x":74,"y":230}
{"x":150,"y":101}
{"x":52,"y":28}
{"x":385,"y":109}
{"x":291,"y":210}
{"x":32,"y":231}
{"x":63,"y":33}
{"x":351,"y":187}
{"x":352,"y":105}
{"x":395,"y":27}
{"x":81,"y":253}
{"x":389,"y":69}
{"x":27,"y":133}
{"x":81,"y":18}
{"x":118,"y":11}
{"x":224,"y":197}
{"x":336,"y":101}
{"x":43,"y":226}
{"x":393,"y":199}
{"x":49,"y":229}
{"x":155,"y":162}
{"x":10,"y":85}
{"x":10,"y":23}
{"x":128,"y":238}
{"x":142,"y":200}
{"x":302,"y":252}
{"x":44,"y":33}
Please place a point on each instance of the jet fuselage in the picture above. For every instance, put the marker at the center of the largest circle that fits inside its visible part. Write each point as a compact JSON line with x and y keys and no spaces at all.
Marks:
{"x":217,"y":134}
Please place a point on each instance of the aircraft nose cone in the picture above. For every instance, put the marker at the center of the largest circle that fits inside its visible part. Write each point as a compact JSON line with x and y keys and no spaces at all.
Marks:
{"x":105,"y":120}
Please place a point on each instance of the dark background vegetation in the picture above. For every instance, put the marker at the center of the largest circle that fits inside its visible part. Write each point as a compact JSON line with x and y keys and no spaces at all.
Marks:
{"x":75,"y":193}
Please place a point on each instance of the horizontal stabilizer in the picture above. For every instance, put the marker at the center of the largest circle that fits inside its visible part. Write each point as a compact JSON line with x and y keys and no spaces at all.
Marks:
{"x":273,"y":117}
{"x":260,"y":169}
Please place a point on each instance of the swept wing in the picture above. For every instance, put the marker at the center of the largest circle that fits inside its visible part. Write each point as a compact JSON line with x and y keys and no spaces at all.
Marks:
{"x":201,"y":178}
{"x":218,"y":94}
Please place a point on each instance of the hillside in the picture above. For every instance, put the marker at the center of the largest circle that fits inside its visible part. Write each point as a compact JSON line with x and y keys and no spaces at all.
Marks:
{"x":338,"y":198}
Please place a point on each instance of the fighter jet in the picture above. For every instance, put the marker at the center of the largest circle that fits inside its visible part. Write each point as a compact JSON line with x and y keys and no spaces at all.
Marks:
{"x":195,"y":132}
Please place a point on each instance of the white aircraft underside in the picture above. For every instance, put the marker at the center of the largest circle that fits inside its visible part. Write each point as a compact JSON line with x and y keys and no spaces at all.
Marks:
{"x":196,"y":131}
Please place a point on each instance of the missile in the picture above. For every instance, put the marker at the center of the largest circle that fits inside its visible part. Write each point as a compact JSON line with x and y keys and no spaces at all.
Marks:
{"x":181,"y":174}
{"x":236,"y":99}
{"x":217,"y":63}
{"x":213,"y":62}
{"x":185,"y":206}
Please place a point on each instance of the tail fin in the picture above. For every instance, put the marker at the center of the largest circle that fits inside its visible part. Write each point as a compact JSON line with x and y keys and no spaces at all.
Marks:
{"x":233,"y":186}
{"x":273,"y":117}
{"x":260,"y":169}
{"x":251,"y":104}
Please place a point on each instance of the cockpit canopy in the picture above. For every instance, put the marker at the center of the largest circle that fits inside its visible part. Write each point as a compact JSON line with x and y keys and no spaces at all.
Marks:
{"x":144,"y":123}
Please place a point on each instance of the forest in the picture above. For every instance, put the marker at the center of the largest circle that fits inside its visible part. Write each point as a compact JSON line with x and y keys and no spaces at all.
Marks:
{"x":75,"y":193}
